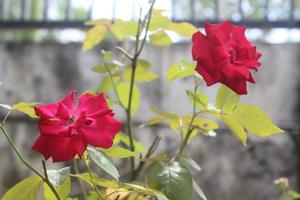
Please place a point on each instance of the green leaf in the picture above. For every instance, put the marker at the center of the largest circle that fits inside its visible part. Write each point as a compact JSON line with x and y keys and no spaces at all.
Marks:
{"x":138,"y":188}
{"x":235,"y":127}
{"x":190,"y":162}
{"x":122,"y":29}
{"x":183,"y":28}
{"x":180,"y":70}
{"x":102,"y":161}
{"x":152,"y":121}
{"x":97,"y":180}
{"x":171,"y":179}
{"x":137,"y":145}
{"x":94,"y":36}
{"x":160,"y":38}
{"x":142,"y":72}
{"x":24,"y":190}
{"x":199,"y":190}
{"x":63,"y":190}
{"x":118,"y":152}
{"x":117,"y":29}
{"x":106,"y":84}
{"x":57,"y":177}
{"x":102,"y":69}
{"x":255,"y":120}
{"x":200,"y":98}
{"x":171,"y":118}
{"x":123,"y":89}
{"x":226,"y":99}
{"x":26,"y":108}
{"x":107,"y":56}
{"x":158,"y":21}
{"x":201,"y":125}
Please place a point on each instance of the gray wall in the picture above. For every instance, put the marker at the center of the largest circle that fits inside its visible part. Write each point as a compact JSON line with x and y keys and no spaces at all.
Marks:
{"x":45,"y":72}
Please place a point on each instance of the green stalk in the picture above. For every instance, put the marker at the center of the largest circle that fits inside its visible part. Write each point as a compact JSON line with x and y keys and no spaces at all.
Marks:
{"x":26,"y":163}
{"x":190,"y":127}
{"x":134,"y":60}
{"x":92,"y":180}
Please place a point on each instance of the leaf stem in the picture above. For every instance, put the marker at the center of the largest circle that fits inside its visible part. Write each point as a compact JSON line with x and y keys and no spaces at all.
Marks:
{"x":114,"y":85}
{"x":26,"y":163}
{"x":190,"y":127}
{"x":150,"y":151}
{"x":92,"y":180}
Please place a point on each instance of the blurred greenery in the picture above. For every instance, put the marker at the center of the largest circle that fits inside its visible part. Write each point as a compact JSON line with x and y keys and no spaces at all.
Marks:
{"x":203,"y":9}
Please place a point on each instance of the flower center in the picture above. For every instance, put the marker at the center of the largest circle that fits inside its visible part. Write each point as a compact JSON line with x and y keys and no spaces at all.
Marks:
{"x":71,"y":120}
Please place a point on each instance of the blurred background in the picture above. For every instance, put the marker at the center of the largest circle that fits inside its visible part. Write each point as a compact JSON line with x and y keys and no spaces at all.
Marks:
{"x":41,"y":60}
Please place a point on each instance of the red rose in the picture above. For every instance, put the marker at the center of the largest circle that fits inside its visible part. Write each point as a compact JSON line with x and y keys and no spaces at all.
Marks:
{"x":66,"y":128}
{"x":225,"y":55}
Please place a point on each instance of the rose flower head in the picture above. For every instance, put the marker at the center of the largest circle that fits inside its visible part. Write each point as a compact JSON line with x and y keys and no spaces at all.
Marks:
{"x":66,"y":128}
{"x":225,"y":55}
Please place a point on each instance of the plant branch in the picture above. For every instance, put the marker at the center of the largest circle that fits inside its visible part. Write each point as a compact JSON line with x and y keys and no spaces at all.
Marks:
{"x":92,"y":180}
{"x":190,"y":127}
{"x":114,"y":85}
{"x":148,"y":18}
{"x":134,"y":61}
{"x":26,"y":163}
{"x":142,"y":163}
{"x":132,"y":79}
{"x":124,"y":52}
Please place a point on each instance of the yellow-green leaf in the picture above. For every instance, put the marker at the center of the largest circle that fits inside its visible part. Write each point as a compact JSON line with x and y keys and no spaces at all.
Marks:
{"x":26,"y":107}
{"x":123,"y":89}
{"x":201,"y":125}
{"x":125,"y":140}
{"x":24,"y":190}
{"x":160,"y":38}
{"x":106,"y":84}
{"x":226,"y":99}
{"x":235,"y":127}
{"x":94,"y":36}
{"x":118,"y":152}
{"x":183,"y":28}
{"x":141,"y":75}
{"x":200,"y":99}
{"x":180,"y":70}
{"x":158,"y":21}
{"x":106,"y":56}
{"x":63,"y":190}
{"x":255,"y":120}
{"x":97,"y":180}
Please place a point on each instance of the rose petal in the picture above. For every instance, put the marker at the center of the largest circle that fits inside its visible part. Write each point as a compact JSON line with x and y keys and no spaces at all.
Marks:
{"x":53,"y":127}
{"x":102,"y":131}
{"x":46,"y":110}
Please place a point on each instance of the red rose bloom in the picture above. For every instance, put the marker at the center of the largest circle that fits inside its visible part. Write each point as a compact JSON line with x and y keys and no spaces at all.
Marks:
{"x":225,"y":55}
{"x":66,"y":129}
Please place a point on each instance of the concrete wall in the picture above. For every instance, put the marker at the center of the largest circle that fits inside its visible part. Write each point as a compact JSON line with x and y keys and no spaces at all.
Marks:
{"x":46,"y":72}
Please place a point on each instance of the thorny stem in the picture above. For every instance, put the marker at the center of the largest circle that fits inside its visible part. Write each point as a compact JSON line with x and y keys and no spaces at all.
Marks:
{"x":148,"y":154}
{"x":46,"y":180}
{"x":76,"y":168}
{"x":134,"y":61}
